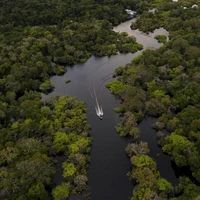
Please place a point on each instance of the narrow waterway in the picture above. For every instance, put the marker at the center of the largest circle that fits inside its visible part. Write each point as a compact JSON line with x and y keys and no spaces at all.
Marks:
{"x":164,"y":165}
{"x":148,"y":41}
{"x":109,"y":163}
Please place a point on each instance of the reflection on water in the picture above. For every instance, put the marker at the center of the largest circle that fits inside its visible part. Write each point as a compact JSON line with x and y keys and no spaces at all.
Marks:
{"x":146,"y":40}
{"x":164,"y":165}
{"x":109,"y":164}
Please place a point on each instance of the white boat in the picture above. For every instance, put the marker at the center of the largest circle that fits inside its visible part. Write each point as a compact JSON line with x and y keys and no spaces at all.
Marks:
{"x":101,"y":116}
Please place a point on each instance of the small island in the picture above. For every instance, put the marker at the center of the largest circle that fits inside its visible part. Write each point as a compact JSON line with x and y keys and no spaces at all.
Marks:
{"x":67,"y":81}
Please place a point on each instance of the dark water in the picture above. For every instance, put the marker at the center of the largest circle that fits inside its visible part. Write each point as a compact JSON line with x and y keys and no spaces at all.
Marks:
{"x":58,"y":175}
{"x":165,"y":167}
{"x":109,"y":164}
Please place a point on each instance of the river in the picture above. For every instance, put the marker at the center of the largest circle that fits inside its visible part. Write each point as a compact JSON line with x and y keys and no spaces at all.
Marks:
{"x":109,"y":163}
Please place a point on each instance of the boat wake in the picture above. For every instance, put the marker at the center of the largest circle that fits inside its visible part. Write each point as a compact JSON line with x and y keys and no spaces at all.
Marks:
{"x":95,"y":97}
{"x":99,"y":112}
{"x":98,"y":107}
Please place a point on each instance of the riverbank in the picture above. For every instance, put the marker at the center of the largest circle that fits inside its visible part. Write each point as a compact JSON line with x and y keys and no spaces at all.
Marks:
{"x":109,"y":164}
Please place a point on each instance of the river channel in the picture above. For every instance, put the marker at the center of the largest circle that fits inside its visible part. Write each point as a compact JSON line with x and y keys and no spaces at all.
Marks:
{"x":109,"y":163}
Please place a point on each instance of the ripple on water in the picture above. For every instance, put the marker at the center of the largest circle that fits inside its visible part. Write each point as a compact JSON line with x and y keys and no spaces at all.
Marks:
{"x":109,"y":163}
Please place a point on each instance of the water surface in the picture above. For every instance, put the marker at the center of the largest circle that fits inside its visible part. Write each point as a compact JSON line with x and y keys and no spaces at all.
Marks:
{"x":164,"y":165}
{"x":109,"y":163}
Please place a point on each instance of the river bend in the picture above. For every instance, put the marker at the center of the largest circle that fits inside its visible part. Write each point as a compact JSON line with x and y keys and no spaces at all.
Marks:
{"x":109,"y":163}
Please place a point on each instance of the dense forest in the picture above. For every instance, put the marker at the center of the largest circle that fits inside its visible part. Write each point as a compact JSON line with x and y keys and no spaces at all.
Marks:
{"x":164,"y":83}
{"x":37,"y":39}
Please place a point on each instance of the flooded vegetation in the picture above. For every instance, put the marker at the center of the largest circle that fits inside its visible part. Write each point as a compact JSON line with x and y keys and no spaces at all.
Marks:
{"x":88,"y":80}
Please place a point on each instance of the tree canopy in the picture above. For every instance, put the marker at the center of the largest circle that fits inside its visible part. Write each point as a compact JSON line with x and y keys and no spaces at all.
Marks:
{"x":165,"y":83}
{"x":37,"y":40}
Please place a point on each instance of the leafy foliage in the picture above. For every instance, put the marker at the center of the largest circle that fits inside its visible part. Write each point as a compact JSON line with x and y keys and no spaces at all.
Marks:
{"x":149,"y":183}
{"x":26,"y":160}
{"x":34,"y":47}
{"x":161,"y":38}
{"x":165,"y":83}
{"x":61,"y":192}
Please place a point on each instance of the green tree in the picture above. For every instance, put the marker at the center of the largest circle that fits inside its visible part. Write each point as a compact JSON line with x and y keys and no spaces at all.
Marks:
{"x":46,"y":86}
{"x":68,"y":169}
{"x":37,"y":191}
{"x":61,"y":192}
{"x":61,"y":140}
{"x":179,"y":148}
